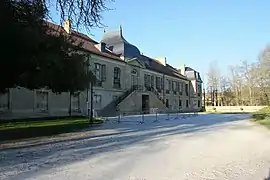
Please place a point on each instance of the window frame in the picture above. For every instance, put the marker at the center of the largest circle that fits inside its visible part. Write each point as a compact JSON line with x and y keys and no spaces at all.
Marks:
{"x":117,"y":77}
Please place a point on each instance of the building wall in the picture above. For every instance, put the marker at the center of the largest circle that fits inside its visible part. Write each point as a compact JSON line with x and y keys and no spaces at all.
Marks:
{"x":23,"y":103}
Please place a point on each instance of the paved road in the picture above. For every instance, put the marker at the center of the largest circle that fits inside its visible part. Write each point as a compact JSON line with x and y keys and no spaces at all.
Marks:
{"x":208,"y":146}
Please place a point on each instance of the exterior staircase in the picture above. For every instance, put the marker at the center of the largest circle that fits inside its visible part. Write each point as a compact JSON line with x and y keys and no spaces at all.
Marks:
{"x":111,"y":109}
{"x":156,"y":93}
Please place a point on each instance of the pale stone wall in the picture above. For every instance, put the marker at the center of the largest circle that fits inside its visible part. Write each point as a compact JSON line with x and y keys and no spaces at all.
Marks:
{"x":233,"y":108}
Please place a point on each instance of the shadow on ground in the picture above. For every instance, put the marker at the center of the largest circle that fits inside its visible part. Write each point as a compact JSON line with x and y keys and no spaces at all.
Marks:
{"x":46,"y":155}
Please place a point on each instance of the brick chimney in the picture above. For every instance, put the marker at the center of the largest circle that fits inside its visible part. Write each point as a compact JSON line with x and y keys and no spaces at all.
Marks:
{"x":67,"y":26}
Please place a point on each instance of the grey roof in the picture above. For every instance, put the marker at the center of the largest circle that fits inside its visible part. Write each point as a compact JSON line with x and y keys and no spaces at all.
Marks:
{"x":154,"y":65}
{"x":117,"y":43}
{"x":193,"y":74}
{"x":189,"y":69}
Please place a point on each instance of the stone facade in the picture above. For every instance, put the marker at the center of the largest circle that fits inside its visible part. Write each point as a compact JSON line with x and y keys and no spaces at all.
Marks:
{"x":122,"y":84}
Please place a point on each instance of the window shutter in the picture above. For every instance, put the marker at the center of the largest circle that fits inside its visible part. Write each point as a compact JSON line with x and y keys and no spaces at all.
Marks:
{"x":103,"y":72}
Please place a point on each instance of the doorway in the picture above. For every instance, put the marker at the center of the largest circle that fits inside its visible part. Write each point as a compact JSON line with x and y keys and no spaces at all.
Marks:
{"x":145,"y":103}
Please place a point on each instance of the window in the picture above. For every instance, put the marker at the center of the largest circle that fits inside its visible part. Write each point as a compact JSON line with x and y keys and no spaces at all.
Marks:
{"x":97,"y":101}
{"x":117,"y":78}
{"x":167,"y":85}
{"x":181,"y":87}
{"x":75,"y":100}
{"x":167,"y":103}
{"x":158,"y":82}
{"x":186,"y":89}
{"x":174,"y":87}
{"x":100,"y":73}
{"x":103,"y":72}
{"x":147,"y":80}
{"x":187,"y":105}
{"x":199,"y":91}
{"x":42,"y":98}
{"x":152,"y":81}
{"x":97,"y":73}
{"x":180,"y":103}
{"x":177,"y":87}
{"x":199,"y":103}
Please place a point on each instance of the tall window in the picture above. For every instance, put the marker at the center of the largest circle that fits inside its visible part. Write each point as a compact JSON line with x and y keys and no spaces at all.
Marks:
{"x":167,"y":103}
{"x":103,"y":72}
{"x":152,"y":81}
{"x":100,"y":73}
{"x":174,"y":86}
{"x":147,"y":80}
{"x":187,"y":105}
{"x":167,"y":84}
{"x":180,"y":88}
{"x":76,"y":102}
{"x":42,"y":98}
{"x":186,"y":89}
{"x":177,"y":87}
{"x":180,"y":103}
{"x":97,"y":101}
{"x":158,"y":82}
{"x":117,"y":78}
{"x":199,"y":91}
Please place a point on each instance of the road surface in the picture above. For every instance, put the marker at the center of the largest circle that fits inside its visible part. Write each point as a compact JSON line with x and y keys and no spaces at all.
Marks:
{"x":207,"y":146}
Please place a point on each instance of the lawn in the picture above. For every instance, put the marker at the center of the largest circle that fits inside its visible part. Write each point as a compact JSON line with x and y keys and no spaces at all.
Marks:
{"x":36,"y":128}
{"x":262,"y":116}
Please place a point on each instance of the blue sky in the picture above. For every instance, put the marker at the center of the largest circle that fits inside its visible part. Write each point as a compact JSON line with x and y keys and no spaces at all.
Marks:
{"x":194,"y":32}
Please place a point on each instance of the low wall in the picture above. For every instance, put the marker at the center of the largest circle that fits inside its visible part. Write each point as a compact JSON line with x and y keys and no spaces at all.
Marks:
{"x":233,"y":108}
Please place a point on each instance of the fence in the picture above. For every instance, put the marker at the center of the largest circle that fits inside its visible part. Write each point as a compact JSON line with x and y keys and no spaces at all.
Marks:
{"x":155,"y":115}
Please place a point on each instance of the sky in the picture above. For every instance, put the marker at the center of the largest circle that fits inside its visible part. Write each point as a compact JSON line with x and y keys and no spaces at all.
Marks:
{"x":194,"y":32}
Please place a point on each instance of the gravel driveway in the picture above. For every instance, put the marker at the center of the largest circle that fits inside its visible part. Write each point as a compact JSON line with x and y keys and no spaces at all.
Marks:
{"x":207,"y":146}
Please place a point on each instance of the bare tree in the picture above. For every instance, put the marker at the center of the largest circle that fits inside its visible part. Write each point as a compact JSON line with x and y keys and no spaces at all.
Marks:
{"x":82,"y":13}
{"x":248,"y":76}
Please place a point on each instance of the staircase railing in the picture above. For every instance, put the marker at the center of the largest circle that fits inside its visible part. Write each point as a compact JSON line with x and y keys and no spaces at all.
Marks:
{"x":152,"y":89}
{"x":119,"y":99}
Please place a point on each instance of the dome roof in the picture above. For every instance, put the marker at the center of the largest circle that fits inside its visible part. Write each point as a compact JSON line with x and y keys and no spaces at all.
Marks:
{"x":117,"y":43}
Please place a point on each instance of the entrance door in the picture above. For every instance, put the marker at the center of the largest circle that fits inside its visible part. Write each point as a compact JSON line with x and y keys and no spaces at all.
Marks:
{"x":145,"y":103}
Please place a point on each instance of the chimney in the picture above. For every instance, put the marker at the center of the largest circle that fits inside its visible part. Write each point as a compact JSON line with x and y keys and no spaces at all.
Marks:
{"x":162,"y":60}
{"x":102,"y":46}
{"x":67,"y":26}
{"x":182,"y":69}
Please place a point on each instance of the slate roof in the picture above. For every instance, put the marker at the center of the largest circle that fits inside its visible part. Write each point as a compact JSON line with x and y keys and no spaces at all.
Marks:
{"x":154,"y":65}
{"x":193,"y":74}
{"x":119,"y":45}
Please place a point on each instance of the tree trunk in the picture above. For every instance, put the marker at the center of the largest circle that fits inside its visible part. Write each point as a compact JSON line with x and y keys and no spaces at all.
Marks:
{"x":69,"y":109}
